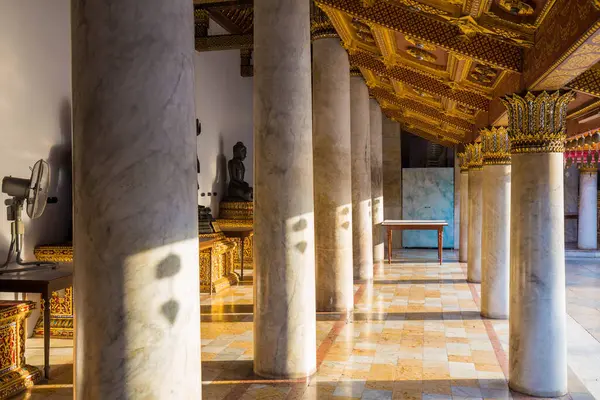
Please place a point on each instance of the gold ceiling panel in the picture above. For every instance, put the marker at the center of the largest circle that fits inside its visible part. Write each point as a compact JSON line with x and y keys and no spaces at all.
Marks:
{"x":478,"y":45}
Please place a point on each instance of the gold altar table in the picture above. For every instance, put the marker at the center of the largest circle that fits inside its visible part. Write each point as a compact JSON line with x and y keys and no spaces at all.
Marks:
{"x":15,"y":374}
{"x":237,"y":216}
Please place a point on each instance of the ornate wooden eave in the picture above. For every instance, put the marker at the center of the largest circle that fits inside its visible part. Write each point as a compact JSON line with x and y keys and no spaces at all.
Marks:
{"x":567,"y":44}
{"x":450,"y":37}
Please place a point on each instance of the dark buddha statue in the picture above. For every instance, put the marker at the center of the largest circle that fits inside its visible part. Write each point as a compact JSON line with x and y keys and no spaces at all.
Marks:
{"x":238,"y":189}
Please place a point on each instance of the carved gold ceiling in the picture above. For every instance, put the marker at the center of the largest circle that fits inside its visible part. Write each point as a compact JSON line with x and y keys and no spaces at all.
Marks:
{"x":440,"y":66}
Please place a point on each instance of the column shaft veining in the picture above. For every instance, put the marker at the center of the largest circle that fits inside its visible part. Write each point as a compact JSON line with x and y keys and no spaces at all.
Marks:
{"x":284,"y":246}
{"x":475,"y":209}
{"x":537,"y":320}
{"x":495,"y":240}
{"x":464,"y":209}
{"x":135,"y":200}
{"x":362,"y":222}
{"x":392,"y":174}
{"x":587,"y":229}
{"x":377,"y":179}
{"x":332,"y":168}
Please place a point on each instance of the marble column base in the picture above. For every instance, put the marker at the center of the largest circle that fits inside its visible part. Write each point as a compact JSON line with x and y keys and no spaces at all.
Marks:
{"x":475,"y":224}
{"x":537,"y":321}
{"x":495,"y":242}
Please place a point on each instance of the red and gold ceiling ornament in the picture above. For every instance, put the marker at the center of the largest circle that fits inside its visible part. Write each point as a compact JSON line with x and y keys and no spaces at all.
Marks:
{"x":583,"y":151}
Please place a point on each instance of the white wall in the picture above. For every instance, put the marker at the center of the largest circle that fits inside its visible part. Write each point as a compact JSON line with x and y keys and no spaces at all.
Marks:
{"x":35,"y":108}
{"x":224,"y":108}
{"x":35,"y":113}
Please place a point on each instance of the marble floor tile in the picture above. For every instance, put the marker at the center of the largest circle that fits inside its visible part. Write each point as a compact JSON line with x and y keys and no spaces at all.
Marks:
{"x":416,"y":333}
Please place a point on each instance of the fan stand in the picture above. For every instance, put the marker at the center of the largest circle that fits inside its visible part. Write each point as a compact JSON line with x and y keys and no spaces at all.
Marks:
{"x":17,"y":230}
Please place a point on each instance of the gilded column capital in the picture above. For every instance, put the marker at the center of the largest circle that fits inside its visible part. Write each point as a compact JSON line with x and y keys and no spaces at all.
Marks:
{"x":463,"y":161}
{"x":355,"y":71}
{"x":320,"y":24}
{"x":495,"y":146}
{"x":474,"y":156}
{"x":537,"y":122}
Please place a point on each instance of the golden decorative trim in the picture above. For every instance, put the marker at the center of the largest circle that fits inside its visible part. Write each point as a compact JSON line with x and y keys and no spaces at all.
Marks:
{"x":474,"y":157}
{"x":516,"y":7}
{"x":237,"y":210}
{"x":592,"y":169}
{"x":54,"y":253}
{"x":419,"y":43}
{"x":537,"y":123}
{"x":584,"y":110}
{"x":355,"y":71}
{"x":463,"y":161}
{"x":320,"y":24}
{"x":495,"y":146}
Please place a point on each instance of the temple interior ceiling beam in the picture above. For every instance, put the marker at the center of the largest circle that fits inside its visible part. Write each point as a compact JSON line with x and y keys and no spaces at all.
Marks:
{"x":567,"y":44}
{"x":408,"y":104}
{"x":427,"y":83}
{"x":224,"y":42}
{"x":208,"y":4}
{"x":588,"y":82}
{"x":462,"y":37}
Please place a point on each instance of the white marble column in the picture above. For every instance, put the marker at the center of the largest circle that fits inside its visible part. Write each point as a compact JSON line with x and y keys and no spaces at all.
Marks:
{"x":392,"y":174}
{"x":587,"y":229}
{"x":284,"y":247}
{"x":135,"y":200}
{"x":537,"y":320}
{"x":475,"y":217}
{"x":464,"y":214}
{"x":495,"y":246}
{"x":332,"y":175}
{"x":362,"y":222}
{"x":456,"y":227}
{"x":377,"y":179}
{"x":495,"y":239}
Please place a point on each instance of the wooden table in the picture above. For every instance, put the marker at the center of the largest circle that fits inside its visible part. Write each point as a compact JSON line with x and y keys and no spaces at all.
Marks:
{"x":44,"y":281}
{"x":421,"y":225}
{"x":241,"y":233}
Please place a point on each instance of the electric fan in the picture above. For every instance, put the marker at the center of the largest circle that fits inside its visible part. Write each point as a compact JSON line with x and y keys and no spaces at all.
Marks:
{"x":34,"y":192}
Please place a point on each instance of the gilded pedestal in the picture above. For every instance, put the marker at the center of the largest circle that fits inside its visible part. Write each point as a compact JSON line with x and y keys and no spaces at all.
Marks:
{"x":235,"y":215}
{"x":217,"y":263}
{"x":15,"y":374}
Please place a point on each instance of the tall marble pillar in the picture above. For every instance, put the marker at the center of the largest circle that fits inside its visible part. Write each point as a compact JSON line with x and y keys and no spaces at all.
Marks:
{"x":464,"y":208}
{"x":456,"y":227}
{"x":332,"y":170}
{"x":475,"y":212}
{"x":362,"y":222}
{"x":537,"y":320}
{"x":284,"y":244}
{"x":587,"y":229}
{"x":495,"y":239}
{"x":377,"y":178}
{"x":135,"y":200}
{"x":392,"y":174}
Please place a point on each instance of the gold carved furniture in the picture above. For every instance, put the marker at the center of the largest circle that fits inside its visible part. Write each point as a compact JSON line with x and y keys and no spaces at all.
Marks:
{"x":61,"y":302}
{"x":400,"y":225}
{"x":216,"y":263}
{"x":235,"y":216}
{"x":45,"y":282}
{"x":15,"y":374}
{"x":242,"y":234}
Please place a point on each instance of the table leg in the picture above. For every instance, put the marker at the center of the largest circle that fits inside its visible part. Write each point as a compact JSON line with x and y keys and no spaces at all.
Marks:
{"x":242,"y":259}
{"x":46,"y":298}
{"x":440,"y":243}
{"x":389,"y":238}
